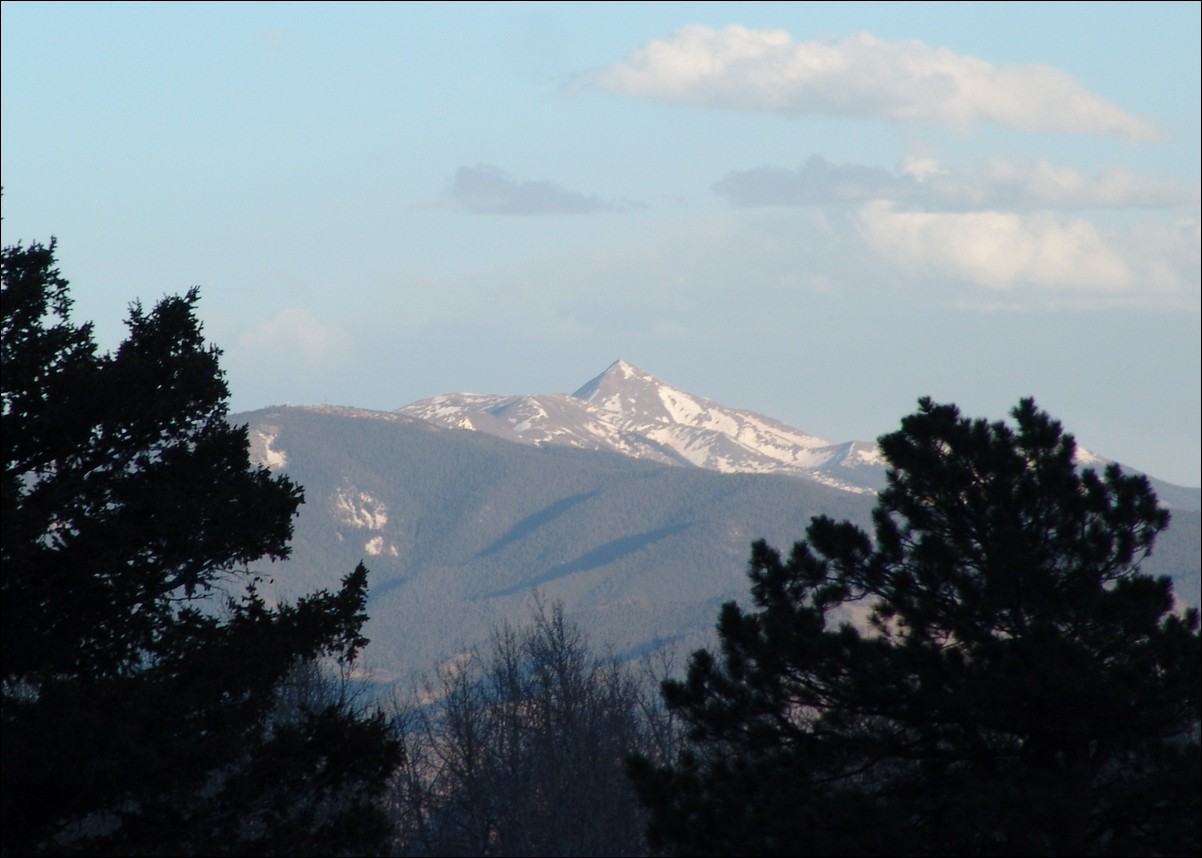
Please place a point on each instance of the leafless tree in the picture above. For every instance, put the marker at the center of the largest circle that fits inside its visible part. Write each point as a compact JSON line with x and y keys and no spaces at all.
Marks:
{"x":521,"y":749}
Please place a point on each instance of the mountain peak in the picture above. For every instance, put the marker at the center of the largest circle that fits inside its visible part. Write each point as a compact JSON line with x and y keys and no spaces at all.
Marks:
{"x":625,"y":370}
{"x":626,"y":391}
{"x":629,"y":411}
{"x":619,"y":377}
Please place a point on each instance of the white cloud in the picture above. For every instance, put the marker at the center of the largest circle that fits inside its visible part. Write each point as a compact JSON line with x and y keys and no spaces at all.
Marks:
{"x":297,"y":337}
{"x":485,"y":189}
{"x":995,"y":184}
{"x":765,"y":70}
{"x":998,"y":250}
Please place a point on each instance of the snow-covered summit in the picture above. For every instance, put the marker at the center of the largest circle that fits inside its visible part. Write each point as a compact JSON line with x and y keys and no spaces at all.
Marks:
{"x":626,"y":390}
{"x":629,"y":411}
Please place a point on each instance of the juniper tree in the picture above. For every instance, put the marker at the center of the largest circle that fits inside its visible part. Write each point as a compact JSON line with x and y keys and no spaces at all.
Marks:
{"x":142,"y":669}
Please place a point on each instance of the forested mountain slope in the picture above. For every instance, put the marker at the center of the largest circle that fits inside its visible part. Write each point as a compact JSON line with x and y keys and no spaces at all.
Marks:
{"x":457,"y":528}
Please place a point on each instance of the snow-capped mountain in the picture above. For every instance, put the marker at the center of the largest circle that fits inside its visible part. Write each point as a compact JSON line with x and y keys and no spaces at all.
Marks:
{"x":628,"y":411}
{"x":457,"y":527}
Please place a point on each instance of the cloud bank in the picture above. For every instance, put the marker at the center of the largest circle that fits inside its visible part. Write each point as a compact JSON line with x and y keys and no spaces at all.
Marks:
{"x":1024,"y":185}
{"x":739,"y":68}
{"x":485,"y":189}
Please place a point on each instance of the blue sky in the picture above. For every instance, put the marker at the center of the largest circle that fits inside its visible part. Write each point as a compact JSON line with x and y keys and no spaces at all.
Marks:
{"x":818,"y":211}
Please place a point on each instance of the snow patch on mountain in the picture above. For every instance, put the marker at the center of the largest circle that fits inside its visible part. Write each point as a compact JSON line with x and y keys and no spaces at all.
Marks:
{"x":359,"y":509}
{"x":261,"y":449}
{"x":376,"y":546}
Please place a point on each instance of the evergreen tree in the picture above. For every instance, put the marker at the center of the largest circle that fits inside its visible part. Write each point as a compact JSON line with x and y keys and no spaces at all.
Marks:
{"x":142,"y":670}
{"x":990,"y":673}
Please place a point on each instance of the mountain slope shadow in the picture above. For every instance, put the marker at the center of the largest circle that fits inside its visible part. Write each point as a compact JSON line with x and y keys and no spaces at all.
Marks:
{"x":534,"y":521}
{"x":602,"y":555}
{"x":383,"y":588}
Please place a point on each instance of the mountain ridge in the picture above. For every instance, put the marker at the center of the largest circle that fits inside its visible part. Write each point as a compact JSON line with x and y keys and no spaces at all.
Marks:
{"x":622,"y":501}
{"x":629,"y":411}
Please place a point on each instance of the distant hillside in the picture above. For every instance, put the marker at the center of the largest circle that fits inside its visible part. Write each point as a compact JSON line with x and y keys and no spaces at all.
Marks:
{"x":458,"y":526}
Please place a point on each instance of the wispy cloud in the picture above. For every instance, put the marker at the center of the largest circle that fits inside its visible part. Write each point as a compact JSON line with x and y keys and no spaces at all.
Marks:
{"x":294,"y":336}
{"x":766,"y":70}
{"x":816,"y":182}
{"x":485,"y":189}
{"x":995,"y":184}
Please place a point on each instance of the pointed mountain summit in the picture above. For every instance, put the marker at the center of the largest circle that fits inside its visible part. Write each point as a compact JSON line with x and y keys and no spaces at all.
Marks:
{"x":629,"y":411}
{"x":626,"y":390}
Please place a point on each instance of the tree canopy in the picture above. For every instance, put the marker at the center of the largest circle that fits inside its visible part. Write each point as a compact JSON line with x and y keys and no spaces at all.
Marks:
{"x":988,"y":673}
{"x":142,"y":669}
